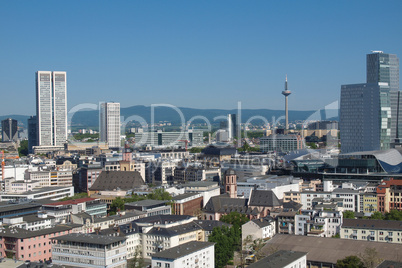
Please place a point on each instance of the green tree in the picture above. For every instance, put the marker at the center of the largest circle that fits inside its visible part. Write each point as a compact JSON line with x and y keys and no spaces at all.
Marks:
{"x":235,"y":218}
{"x":196,"y":150}
{"x":75,"y":196}
{"x":117,"y":204}
{"x":377,"y":216}
{"x":224,"y":239}
{"x":159,"y":194}
{"x":393,"y":215}
{"x":137,"y":261}
{"x":350,"y":262}
{"x":257,"y":246}
{"x":370,"y":258}
{"x":348,"y":214}
{"x":23,"y":149}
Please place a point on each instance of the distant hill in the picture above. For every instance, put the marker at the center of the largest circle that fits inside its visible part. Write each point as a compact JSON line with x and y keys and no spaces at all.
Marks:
{"x":22,"y":119}
{"x":91,"y":118}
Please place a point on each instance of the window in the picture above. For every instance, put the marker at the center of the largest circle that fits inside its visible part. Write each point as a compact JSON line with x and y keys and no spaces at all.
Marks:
{"x":167,"y":265}
{"x":159,"y":264}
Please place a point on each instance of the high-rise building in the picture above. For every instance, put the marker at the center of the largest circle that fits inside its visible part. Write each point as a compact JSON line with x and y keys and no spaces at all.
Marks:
{"x":51,"y":108}
{"x":369,"y":113}
{"x":109,"y":125}
{"x":9,"y":128}
{"x":32,"y":133}
{"x":383,"y":69}
{"x":232,"y":126}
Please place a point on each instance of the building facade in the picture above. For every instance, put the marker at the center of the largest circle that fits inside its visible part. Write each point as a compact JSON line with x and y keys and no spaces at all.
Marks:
{"x":51,"y":108}
{"x":369,"y":113}
{"x":9,"y":128}
{"x":281,"y":143}
{"x":109,"y":124}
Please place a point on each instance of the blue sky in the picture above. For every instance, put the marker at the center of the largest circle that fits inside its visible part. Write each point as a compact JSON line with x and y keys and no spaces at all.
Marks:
{"x":201,"y":54}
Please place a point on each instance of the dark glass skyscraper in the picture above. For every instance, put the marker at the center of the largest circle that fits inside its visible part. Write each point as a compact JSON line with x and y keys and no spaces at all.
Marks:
{"x":9,"y":129}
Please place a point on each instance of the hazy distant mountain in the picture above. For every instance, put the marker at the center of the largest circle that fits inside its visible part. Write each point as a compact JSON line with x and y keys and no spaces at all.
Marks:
{"x":22,"y":119}
{"x":91,"y":118}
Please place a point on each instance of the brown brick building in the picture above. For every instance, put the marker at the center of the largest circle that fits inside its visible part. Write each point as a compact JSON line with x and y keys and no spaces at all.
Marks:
{"x":188,"y":204}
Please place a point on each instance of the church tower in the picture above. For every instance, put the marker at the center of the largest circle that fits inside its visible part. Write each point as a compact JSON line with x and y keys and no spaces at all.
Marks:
{"x":231,"y":183}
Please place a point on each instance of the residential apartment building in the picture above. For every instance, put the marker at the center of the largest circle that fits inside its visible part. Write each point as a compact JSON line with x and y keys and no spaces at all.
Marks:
{"x":389,"y":195}
{"x":372,"y":230}
{"x":261,"y":228}
{"x":21,"y":244}
{"x":191,"y":254}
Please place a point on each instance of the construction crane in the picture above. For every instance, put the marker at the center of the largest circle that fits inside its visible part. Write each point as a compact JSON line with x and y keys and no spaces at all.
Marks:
{"x":185,"y":142}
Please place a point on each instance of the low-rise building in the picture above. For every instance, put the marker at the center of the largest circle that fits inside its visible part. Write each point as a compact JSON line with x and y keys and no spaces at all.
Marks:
{"x":151,"y":207}
{"x":283,"y":259}
{"x":191,"y":254}
{"x":64,"y":209}
{"x":21,"y":244}
{"x":389,"y":195}
{"x":187,"y":204}
{"x":88,"y":250}
{"x":372,"y":230}
{"x":54,"y":193}
{"x":261,"y":228}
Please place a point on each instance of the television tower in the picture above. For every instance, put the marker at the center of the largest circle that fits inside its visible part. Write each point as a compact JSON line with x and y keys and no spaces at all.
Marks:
{"x":286,"y":93}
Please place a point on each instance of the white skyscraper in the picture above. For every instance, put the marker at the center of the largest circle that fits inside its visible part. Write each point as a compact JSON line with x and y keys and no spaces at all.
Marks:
{"x":51,"y":108}
{"x":109,"y":124}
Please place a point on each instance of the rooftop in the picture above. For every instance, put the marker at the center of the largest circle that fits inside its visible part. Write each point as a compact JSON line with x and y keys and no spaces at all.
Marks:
{"x":182,"y":250}
{"x":90,"y":238}
{"x":372,"y":224}
{"x":279,"y":259}
{"x":71,"y":202}
{"x":329,"y":250}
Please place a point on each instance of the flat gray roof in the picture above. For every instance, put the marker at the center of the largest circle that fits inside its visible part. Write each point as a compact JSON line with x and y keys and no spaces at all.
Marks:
{"x":90,"y":238}
{"x":278,"y":259}
{"x":329,"y":250}
{"x":182,"y":250}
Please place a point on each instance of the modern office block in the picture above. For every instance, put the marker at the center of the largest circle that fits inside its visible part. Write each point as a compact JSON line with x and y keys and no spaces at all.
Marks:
{"x":383,"y":68}
{"x":232,"y":126}
{"x":370,"y":113}
{"x":170,"y":139}
{"x":109,"y":124}
{"x":32,"y":133}
{"x":9,"y":128}
{"x":365,"y":118}
{"x":51,"y":108}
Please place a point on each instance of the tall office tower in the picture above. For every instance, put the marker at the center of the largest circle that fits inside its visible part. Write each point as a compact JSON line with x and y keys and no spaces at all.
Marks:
{"x":32,"y":133}
{"x":51,"y":108}
{"x":370,"y":113}
{"x":232,"y":126}
{"x":286,"y":93}
{"x":109,"y":125}
{"x":383,"y":69}
{"x":365,"y":118}
{"x":9,"y":128}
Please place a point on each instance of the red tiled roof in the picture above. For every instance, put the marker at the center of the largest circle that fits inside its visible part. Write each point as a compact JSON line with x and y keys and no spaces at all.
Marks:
{"x":71,"y":202}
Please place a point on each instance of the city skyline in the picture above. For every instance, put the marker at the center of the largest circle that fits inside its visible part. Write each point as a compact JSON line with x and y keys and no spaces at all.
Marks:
{"x":194,"y":54}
